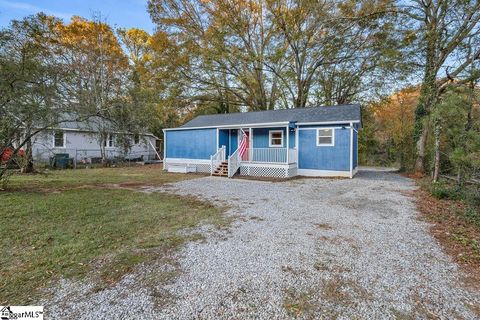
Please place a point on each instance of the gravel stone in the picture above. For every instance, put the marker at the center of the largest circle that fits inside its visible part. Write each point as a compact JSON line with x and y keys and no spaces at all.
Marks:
{"x":310,"y":248}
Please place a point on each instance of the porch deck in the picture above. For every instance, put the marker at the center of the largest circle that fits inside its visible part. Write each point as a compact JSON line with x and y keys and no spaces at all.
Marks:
{"x":268,"y":162}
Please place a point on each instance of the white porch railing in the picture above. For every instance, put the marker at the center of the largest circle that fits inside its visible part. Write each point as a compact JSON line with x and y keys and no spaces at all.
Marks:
{"x":233,"y":163}
{"x":270,"y":155}
{"x":217,"y":158}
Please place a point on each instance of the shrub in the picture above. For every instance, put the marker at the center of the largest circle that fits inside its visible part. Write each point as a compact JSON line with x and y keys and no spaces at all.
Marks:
{"x":472,"y":214}
{"x":442,"y":190}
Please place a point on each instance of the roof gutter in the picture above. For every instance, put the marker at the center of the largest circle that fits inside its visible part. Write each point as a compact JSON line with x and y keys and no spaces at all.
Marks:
{"x":327,"y":122}
{"x":234,"y":126}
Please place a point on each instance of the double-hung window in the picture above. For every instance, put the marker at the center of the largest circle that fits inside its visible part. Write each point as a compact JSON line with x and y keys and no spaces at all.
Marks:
{"x":275,"y":138}
{"x":109,"y":143}
{"x":325,"y":137}
{"x":58,"y":139}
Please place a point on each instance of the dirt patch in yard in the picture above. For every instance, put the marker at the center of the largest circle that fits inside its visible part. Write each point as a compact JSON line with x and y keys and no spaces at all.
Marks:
{"x":459,"y":238}
{"x":333,"y":295}
{"x":324,"y":226}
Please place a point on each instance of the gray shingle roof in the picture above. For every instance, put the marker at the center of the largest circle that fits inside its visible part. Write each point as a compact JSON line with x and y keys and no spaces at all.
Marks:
{"x":347,"y":112}
{"x":90,"y":124}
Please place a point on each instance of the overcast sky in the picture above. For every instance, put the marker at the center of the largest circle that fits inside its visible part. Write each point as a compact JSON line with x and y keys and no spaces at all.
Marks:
{"x":119,"y":13}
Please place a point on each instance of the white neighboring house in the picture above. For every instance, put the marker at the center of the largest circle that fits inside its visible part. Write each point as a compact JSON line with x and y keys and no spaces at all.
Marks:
{"x":81,"y":141}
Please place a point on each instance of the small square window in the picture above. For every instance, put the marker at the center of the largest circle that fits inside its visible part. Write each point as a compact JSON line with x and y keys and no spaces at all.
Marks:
{"x":276,"y":138}
{"x":59,"y":139}
{"x":325,"y":137}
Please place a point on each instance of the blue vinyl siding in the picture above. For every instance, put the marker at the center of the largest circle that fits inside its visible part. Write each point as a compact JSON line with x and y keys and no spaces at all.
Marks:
{"x":261,"y":136}
{"x":291,"y":141}
{"x":335,"y":157}
{"x":191,"y":144}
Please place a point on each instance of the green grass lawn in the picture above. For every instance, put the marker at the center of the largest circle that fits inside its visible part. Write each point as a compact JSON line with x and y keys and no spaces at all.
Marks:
{"x":53,"y":229}
{"x":151,"y":175}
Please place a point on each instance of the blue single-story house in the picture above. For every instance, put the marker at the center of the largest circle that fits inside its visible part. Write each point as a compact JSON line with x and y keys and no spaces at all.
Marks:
{"x":318,"y":141}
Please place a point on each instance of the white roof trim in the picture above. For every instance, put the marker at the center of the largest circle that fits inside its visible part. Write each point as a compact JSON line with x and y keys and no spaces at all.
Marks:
{"x":259,"y":125}
{"x":327,"y":122}
{"x":233,"y":126}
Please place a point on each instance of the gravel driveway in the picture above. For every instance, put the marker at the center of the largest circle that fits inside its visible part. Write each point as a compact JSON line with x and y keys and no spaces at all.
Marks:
{"x":309,"y":248}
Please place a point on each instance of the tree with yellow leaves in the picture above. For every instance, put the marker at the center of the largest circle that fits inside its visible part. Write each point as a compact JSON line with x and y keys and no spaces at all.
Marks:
{"x":394,"y":120}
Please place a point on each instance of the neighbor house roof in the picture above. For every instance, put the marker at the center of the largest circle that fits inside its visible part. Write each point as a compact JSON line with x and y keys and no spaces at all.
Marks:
{"x":339,"y":113}
{"x":90,"y":124}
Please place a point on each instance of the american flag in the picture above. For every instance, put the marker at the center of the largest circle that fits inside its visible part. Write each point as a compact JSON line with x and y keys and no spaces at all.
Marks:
{"x":242,"y":148}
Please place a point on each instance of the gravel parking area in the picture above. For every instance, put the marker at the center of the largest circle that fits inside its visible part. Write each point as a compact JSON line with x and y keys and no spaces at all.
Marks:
{"x":307,"y":248}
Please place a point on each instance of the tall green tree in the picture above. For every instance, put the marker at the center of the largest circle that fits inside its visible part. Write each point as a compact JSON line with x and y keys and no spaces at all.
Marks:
{"x":332,"y":47}
{"x":266,"y":54}
{"x":92,"y":51}
{"x":458,"y":122}
{"x":445,"y":43}
{"x":31,"y":95}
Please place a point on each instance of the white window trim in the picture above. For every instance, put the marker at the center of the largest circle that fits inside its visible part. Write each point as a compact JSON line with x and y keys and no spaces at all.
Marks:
{"x":64,"y":139}
{"x":108,"y":140}
{"x":325,"y":144}
{"x":270,"y":132}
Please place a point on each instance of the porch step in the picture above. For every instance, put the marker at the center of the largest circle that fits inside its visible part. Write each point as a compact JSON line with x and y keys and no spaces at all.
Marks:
{"x":221,"y":170}
{"x":217,"y":174}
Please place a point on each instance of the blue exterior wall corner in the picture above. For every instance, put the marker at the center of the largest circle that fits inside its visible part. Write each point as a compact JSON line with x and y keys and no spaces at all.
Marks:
{"x":191,"y":144}
{"x":335,"y":158}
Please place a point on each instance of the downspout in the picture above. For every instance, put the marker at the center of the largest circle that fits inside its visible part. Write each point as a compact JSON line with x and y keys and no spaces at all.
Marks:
{"x":351,"y":150}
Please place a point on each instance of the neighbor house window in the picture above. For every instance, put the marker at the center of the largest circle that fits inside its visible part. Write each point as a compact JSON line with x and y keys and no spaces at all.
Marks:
{"x":325,"y":137}
{"x":136,"y":139}
{"x":59,"y":139}
{"x":109,"y":142}
{"x":275,"y":138}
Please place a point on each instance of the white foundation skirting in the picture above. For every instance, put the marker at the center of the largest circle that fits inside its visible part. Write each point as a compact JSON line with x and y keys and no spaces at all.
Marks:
{"x":186,"y":165}
{"x":322,"y":173}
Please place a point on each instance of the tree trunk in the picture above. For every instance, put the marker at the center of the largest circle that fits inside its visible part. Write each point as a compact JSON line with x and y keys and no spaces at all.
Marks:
{"x":402,"y":161}
{"x":459,"y":177}
{"x":421,"y":144}
{"x":28,"y":168}
{"x":427,"y":99}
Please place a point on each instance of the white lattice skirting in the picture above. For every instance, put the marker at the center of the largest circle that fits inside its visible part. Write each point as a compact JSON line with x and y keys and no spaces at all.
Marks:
{"x":267,"y":170}
{"x":203,"y":168}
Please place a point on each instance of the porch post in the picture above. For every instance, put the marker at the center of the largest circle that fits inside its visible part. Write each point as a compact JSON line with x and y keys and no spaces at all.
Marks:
{"x":297,"y":128}
{"x":250,"y":144}
{"x":288,"y":142}
{"x":229,"y":142}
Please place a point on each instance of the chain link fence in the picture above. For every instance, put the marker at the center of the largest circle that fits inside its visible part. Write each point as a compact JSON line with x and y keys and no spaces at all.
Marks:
{"x":76,"y":158}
